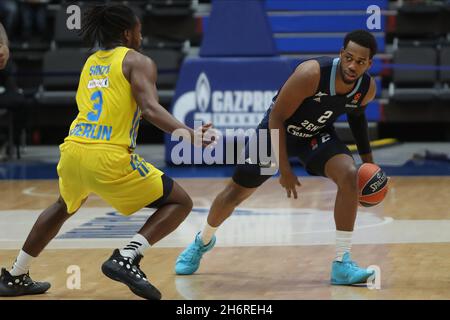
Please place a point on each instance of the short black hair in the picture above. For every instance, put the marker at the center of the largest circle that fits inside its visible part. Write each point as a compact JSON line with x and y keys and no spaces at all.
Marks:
{"x":363,"y":38}
{"x":104,"y":24}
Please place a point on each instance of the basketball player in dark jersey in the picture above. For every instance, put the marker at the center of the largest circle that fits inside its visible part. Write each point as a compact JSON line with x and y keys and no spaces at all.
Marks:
{"x":303,"y":112}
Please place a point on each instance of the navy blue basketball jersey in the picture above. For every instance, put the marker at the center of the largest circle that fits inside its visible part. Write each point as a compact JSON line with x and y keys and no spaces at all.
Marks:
{"x":318,"y":112}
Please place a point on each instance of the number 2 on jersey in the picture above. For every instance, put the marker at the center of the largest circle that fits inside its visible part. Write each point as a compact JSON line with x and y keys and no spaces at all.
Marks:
{"x":97,"y":98}
{"x":325,"y":117}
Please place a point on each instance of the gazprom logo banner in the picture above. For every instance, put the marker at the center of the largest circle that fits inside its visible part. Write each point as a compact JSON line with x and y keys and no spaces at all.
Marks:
{"x":231,"y":93}
{"x":203,"y":92}
{"x":237,"y":109}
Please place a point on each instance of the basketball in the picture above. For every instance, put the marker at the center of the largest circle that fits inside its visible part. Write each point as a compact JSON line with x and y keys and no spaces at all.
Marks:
{"x":372,"y":184}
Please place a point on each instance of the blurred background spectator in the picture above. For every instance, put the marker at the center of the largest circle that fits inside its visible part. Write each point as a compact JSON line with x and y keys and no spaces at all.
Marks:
{"x":9,"y":14}
{"x":33,"y":19}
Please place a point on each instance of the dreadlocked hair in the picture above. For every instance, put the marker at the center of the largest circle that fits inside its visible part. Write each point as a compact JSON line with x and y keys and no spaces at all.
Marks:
{"x":104,"y":24}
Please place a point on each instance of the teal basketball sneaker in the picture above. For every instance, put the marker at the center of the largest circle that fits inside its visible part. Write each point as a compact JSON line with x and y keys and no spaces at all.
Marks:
{"x":189,"y":260}
{"x":348,"y":272}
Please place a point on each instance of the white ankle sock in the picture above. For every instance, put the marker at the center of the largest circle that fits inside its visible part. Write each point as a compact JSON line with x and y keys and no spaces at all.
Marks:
{"x":207,"y":233}
{"x":135,"y":247}
{"x":22,"y":264}
{"x":343,"y":243}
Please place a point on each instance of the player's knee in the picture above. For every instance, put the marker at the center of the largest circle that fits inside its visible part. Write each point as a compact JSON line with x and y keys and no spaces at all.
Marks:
{"x":237,"y":200}
{"x":186,"y":205}
{"x":347,"y":178}
{"x":233,"y":197}
{"x":179,"y":197}
{"x":61,"y":205}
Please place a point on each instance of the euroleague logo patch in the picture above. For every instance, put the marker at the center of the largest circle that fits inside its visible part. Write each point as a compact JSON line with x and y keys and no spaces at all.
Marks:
{"x":356,"y":98}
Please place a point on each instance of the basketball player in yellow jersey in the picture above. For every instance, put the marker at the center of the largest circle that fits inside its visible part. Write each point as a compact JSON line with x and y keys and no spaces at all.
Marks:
{"x":117,"y":87}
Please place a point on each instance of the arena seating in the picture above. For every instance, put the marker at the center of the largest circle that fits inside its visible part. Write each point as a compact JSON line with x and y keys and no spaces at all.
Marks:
{"x":47,"y":69}
{"x":444,"y":74}
{"x":410,"y":81}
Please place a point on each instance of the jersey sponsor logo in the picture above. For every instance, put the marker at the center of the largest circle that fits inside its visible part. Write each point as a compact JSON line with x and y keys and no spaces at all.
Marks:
{"x":304,"y":126}
{"x":225,"y":108}
{"x":311,"y":127}
{"x":98,"y":83}
{"x":351,"y":106}
{"x":356,"y":98}
{"x":296,"y":131}
{"x":318,"y":95}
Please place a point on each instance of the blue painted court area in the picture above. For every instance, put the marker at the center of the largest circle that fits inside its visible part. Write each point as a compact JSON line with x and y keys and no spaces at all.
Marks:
{"x":401,"y":159}
{"x":115,"y":225}
{"x":22,"y":170}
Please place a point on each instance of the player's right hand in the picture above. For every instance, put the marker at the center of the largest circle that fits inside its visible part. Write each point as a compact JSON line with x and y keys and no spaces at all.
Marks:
{"x":206,"y":135}
{"x":289,"y":181}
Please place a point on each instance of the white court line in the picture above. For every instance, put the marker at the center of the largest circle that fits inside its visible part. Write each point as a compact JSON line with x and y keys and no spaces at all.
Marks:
{"x":386,"y":220}
{"x":32,"y":193}
{"x":273,"y":227}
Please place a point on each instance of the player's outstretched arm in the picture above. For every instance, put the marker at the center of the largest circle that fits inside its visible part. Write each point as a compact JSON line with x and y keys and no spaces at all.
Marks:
{"x":141,"y":71}
{"x":4,"y":48}
{"x":300,"y":85}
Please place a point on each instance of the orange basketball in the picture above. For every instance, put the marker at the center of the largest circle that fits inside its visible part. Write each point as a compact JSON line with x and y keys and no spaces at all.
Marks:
{"x":372,"y":184}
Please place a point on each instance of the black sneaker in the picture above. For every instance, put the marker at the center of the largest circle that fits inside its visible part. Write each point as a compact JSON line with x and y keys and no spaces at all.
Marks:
{"x":12,"y":286}
{"x":127,"y":271}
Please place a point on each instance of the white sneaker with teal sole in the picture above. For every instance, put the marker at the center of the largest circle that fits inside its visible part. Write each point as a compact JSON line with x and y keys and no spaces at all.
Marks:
{"x":348,"y":272}
{"x":189,"y":260}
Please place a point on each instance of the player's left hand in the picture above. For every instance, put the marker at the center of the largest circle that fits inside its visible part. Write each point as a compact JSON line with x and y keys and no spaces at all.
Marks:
{"x":289,"y":181}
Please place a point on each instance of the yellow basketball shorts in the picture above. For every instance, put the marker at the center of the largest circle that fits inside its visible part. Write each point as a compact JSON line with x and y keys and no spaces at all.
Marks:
{"x":125,"y":181}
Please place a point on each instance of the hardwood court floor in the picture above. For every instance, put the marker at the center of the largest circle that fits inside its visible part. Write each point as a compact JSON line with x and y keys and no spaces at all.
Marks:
{"x":412,"y":250}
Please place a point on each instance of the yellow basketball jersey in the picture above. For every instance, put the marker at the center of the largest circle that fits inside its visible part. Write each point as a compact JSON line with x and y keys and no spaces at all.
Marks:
{"x":107,"y":111}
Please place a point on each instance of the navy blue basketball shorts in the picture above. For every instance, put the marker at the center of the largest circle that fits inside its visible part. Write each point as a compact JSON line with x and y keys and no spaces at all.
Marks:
{"x":313,"y":153}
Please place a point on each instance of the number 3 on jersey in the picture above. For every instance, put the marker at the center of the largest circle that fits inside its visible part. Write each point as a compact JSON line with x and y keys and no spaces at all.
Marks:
{"x":97,"y":98}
